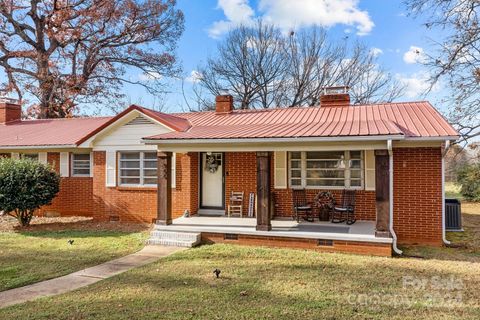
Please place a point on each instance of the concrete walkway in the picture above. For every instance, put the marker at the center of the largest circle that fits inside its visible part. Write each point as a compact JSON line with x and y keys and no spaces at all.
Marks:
{"x":84,"y":277}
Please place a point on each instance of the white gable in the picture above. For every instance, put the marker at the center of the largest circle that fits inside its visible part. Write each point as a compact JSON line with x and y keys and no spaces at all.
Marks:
{"x":127,"y":133}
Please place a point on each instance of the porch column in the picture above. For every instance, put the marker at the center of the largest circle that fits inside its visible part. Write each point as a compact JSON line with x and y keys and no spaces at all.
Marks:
{"x":164,"y":191}
{"x":263,"y":192}
{"x":382,"y":189}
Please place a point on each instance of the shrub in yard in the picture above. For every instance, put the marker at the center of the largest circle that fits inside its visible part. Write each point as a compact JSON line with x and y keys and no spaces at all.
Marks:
{"x":469,"y":179}
{"x":26,"y":185}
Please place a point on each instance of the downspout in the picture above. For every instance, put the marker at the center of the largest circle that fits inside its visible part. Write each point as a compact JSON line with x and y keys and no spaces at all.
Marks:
{"x":392,"y":232}
{"x":444,"y":237}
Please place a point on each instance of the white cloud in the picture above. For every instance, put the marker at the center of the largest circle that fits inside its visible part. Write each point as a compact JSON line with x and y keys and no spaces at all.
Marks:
{"x":236,"y":12}
{"x":376,"y":52}
{"x":414,"y":55}
{"x":194,"y":76}
{"x":148,"y":76}
{"x":416,"y":85}
{"x":290,"y":14}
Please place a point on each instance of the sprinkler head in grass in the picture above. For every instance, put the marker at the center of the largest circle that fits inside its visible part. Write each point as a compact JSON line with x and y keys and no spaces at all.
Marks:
{"x":217,"y":273}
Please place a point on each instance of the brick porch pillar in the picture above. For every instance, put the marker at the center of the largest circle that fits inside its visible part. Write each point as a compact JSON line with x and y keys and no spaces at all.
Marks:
{"x":263,"y":192}
{"x":164,"y":191}
{"x":382,"y":189}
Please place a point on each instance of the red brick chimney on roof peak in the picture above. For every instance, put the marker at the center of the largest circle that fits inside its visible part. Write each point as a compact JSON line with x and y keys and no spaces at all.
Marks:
{"x":335,"y":97}
{"x":10,"y":110}
{"x":223,"y":103}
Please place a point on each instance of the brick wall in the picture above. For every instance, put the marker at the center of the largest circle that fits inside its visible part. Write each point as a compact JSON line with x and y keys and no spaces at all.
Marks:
{"x":75,"y":196}
{"x":417,"y":195}
{"x":185,"y":195}
{"x":129,"y":204}
{"x":240,"y":175}
{"x":9,"y":112}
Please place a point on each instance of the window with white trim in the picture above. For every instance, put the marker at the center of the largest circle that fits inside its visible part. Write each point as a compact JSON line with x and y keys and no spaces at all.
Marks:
{"x":138,"y":168}
{"x":81,"y":164}
{"x":31,"y":156}
{"x":326,"y":169}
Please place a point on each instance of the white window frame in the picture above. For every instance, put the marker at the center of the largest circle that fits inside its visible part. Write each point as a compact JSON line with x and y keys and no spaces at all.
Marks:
{"x":141,"y":177}
{"x":72,"y":165}
{"x":303,"y":170}
{"x":24,"y":155}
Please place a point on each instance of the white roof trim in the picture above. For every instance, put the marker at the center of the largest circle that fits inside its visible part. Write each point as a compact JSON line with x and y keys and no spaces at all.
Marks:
{"x":439,"y":138}
{"x":263,"y":140}
{"x":87,"y":143}
{"x":53,"y":146}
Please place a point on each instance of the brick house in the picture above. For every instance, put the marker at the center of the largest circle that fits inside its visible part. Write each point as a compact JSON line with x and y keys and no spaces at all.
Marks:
{"x":391,"y":154}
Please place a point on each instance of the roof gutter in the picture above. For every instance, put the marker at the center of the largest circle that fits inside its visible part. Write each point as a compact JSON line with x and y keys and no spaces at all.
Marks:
{"x":444,"y":237}
{"x":392,"y":231}
{"x":263,"y":140}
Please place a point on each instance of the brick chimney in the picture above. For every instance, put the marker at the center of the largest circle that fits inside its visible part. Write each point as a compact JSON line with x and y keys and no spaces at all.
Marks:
{"x":223,"y":104}
{"x":10,"y":110}
{"x":335,"y":97}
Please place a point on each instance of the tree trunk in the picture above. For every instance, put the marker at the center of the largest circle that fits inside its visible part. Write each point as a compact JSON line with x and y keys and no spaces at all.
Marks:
{"x":24,"y":217}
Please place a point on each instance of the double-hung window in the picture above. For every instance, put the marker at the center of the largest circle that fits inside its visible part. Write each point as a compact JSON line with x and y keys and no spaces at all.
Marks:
{"x":81,"y":164}
{"x":326,"y":169}
{"x":31,"y":156}
{"x":138,"y":168}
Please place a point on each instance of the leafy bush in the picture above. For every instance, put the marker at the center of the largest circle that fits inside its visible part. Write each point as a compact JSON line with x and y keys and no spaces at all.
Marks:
{"x":26,"y":185}
{"x":469,"y":179}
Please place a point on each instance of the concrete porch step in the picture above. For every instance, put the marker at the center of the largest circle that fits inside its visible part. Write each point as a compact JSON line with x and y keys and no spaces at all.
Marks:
{"x":174,"y":235}
{"x":173,"y":238}
{"x":171,"y":243}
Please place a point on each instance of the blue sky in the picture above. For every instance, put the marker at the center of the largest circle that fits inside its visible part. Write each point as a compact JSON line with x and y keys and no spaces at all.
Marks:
{"x":382,"y":25}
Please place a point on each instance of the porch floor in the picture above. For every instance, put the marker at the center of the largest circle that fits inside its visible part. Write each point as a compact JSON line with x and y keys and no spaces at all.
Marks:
{"x":360,"y":231}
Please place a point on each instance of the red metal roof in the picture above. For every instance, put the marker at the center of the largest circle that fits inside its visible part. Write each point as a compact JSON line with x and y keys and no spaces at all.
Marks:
{"x":49,"y":132}
{"x":412,"y":119}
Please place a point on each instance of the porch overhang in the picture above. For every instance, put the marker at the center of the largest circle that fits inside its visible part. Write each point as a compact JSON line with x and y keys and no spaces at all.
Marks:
{"x":274,"y":144}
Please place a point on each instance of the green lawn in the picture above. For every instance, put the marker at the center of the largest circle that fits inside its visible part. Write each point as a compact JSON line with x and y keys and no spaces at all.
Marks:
{"x":262,"y":283}
{"x":31,"y":256}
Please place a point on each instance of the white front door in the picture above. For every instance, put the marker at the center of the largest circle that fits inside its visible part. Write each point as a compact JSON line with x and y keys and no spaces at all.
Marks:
{"x":212,"y":181}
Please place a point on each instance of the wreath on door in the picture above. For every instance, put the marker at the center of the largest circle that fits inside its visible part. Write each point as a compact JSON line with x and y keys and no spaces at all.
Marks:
{"x":211,"y":163}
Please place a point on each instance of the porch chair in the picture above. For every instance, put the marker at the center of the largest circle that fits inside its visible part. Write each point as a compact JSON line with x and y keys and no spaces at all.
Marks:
{"x":301,"y":206}
{"x":235,"y":207}
{"x":345,"y":212}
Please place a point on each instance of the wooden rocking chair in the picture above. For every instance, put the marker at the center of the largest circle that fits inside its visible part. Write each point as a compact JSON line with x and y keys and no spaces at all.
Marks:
{"x":345,"y":212}
{"x":301,"y":206}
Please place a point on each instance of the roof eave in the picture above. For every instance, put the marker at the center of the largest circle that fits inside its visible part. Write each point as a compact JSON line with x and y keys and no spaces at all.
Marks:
{"x":436,"y":138}
{"x":53,"y":146}
{"x":151,"y":141}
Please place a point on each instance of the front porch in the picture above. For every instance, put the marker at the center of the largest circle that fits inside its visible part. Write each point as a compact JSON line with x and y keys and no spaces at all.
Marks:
{"x":266,"y":175}
{"x":324,"y":236}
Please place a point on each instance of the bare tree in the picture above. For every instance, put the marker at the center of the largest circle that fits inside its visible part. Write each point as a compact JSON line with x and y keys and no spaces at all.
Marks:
{"x":263,"y":68}
{"x":456,"y":57}
{"x":250,"y":63}
{"x":65,"y":53}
